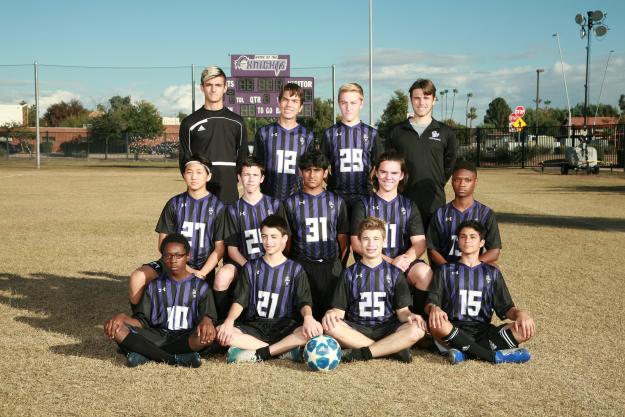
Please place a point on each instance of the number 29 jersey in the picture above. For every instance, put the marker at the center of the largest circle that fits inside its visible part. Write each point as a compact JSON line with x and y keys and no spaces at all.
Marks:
{"x":200,"y":221}
{"x":370,"y":296}
{"x":279,"y":149}
{"x":470,"y":294}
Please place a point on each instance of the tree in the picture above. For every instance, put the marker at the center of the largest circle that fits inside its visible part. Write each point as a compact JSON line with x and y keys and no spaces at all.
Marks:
{"x":182,"y":115}
{"x":497,"y":113}
{"x":453,"y":102}
{"x":396,"y":111}
{"x":621,"y":103}
{"x":58,"y":113}
{"x":471,"y":115}
{"x":604,"y":110}
{"x":123,"y":118}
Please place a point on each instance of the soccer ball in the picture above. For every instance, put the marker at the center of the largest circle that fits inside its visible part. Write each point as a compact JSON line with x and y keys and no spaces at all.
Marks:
{"x":322,"y":353}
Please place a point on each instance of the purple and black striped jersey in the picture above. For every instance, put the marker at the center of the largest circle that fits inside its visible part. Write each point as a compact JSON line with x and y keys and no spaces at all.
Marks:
{"x":200,"y":221}
{"x":442,"y":234}
{"x":315,"y":222}
{"x":272,"y":293}
{"x":401,"y":216}
{"x":352,"y":151}
{"x":279,"y":150}
{"x":175,"y":305}
{"x":470,"y":293}
{"x":371,"y":296}
{"x":243,"y":224}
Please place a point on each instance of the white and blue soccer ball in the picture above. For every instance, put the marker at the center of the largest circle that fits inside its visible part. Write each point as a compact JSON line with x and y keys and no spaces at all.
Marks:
{"x":322,"y":353}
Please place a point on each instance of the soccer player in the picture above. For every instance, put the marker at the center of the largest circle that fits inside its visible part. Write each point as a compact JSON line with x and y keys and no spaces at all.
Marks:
{"x":175,"y":317}
{"x":370,"y":313}
{"x":442,"y":239}
{"x":462,"y":299}
{"x":352,"y":146}
{"x":319,"y":226}
{"x":215,"y":132}
{"x":430,"y":150}
{"x":242,"y":234}
{"x":196,"y":214}
{"x":275,"y":292}
{"x":279,"y":145}
{"x":405,"y":239}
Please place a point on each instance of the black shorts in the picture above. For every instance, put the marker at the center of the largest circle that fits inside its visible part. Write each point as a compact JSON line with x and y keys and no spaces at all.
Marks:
{"x":323,"y":278}
{"x":269,"y":331}
{"x":488,"y":335}
{"x":171,"y":341}
{"x":378,"y":331}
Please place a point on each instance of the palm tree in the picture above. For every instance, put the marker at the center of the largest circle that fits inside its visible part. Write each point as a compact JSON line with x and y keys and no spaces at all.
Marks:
{"x":453,"y":102}
{"x":466,"y":120}
{"x":446,"y":92}
{"x":472,"y":115}
{"x":442,"y":94}
{"x":547,"y":103}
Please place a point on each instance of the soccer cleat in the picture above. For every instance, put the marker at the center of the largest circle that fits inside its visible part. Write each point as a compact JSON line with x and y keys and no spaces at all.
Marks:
{"x":191,"y":360}
{"x":134,"y":359}
{"x":456,"y":356}
{"x":295,"y":355}
{"x":403,"y":355}
{"x":516,"y":355}
{"x":236,"y":355}
{"x":347,"y":356}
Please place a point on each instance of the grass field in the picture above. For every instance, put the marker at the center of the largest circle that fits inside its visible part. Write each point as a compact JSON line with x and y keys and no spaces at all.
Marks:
{"x":71,"y":234}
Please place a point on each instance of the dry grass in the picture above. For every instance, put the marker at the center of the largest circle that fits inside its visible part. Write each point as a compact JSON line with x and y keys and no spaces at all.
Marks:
{"x":72,"y":233}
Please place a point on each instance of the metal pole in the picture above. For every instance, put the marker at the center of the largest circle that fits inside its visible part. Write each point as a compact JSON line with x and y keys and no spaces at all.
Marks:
{"x":566,"y":89}
{"x":371,"y":62}
{"x":587,"y":71}
{"x":333,"y":93}
{"x":192,"y":88}
{"x":38,"y":132}
{"x":601,"y":89}
{"x":538,"y":71}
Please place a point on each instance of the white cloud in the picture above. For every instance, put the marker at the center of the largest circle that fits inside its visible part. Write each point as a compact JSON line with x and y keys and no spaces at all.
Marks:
{"x":49,"y":98}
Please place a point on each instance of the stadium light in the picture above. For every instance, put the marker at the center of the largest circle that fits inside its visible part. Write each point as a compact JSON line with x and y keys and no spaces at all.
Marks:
{"x":538,"y":71}
{"x":592,"y":23}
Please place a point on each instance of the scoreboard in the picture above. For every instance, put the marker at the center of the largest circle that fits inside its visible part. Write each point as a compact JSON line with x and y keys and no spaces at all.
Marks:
{"x":254,"y":87}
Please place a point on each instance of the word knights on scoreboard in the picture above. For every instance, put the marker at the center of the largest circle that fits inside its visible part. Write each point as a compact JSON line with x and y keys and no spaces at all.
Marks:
{"x":255,"y":83}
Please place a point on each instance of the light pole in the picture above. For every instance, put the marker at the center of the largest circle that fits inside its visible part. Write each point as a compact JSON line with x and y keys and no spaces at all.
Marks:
{"x":601,"y":89}
{"x":594,"y":23}
{"x":538,"y":71}
{"x":566,"y":89}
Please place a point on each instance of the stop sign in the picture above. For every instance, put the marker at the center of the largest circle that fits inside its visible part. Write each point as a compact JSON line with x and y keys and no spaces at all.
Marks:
{"x":519,"y":111}
{"x":512,"y":118}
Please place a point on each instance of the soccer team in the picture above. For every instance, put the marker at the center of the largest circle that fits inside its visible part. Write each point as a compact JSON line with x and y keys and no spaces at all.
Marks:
{"x":284,"y":244}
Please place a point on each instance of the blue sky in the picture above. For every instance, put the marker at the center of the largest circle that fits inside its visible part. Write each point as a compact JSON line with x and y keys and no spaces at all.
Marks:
{"x":489,"y":48}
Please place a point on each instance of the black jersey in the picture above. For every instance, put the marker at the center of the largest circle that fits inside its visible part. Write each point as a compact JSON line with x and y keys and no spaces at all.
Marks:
{"x":243,"y":224}
{"x":352,"y":150}
{"x":272,"y":292}
{"x":175,"y":305}
{"x":371,"y":296}
{"x":279,"y":150}
{"x":221,"y":136}
{"x":315,"y":222}
{"x":200,"y":221}
{"x":401,"y":216}
{"x":443,"y":234}
{"x":470,"y":293}
{"x":430,"y":158}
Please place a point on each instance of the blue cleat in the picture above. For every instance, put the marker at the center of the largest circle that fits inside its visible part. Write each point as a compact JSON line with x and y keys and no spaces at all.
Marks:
{"x":134,"y":359}
{"x":456,"y":356}
{"x":516,"y":355}
{"x":237,"y":355}
{"x":295,"y":355}
{"x":191,"y":360}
